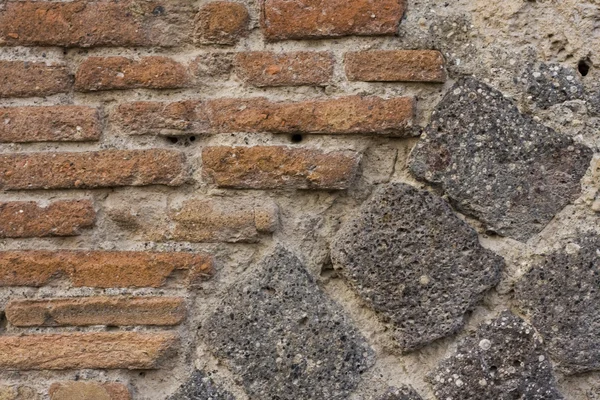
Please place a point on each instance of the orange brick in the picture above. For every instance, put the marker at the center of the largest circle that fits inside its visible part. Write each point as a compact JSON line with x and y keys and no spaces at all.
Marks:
{"x":88,"y":391}
{"x":110,"y":311}
{"x":94,"y":23}
{"x":273,"y":167}
{"x":104,"y":269}
{"x":396,"y":66}
{"x":265,"y":68}
{"x":31,"y":79}
{"x":123,"y":350}
{"x":310,"y":19}
{"x":222,"y":22}
{"x":27,"y":219}
{"x":157,"y":117}
{"x":97,"y":169}
{"x":116,"y":73}
{"x":49,"y":124}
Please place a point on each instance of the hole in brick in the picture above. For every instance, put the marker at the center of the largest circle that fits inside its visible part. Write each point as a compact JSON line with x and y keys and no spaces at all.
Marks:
{"x":297,"y":138}
{"x":584,"y":67}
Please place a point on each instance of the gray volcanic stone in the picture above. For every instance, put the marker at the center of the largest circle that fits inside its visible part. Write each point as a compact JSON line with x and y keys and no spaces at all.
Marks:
{"x":503,"y":360}
{"x":285,"y":338}
{"x":497,"y":164}
{"x":415,"y":263}
{"x":562,"y":295}
{"x":200,"y":387}
{"x":404,"y":393}
{"x":552,"y":84}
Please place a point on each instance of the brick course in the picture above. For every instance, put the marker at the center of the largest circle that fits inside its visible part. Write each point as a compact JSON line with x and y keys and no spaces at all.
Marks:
{"x":33,"y":79}
{"x":222,"y":22}
{"x":88,"y":391}
{"x":395,"y":66}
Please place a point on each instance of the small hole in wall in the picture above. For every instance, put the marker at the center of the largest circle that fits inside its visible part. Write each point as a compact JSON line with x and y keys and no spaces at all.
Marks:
{"x":296,"y":138}
{"x":584,"y":67}
{"x":173,"y":140}
{"x":181,"y":141}
{"x":192,"y":139}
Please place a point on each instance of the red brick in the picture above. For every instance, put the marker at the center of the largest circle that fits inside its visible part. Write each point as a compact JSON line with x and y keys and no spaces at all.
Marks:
{"x":31,"y":79}
{"x":265,"y":68}
{"x":49,"y":124}
{"x":93,"y":23}
{"x":222,"y":22}
{"x":97,"y":169}
{"x":345,"y":115}
{"x":27,"y":219}
{"x":123,"y":350}
{"x":110,"y":311}
{"x":309,"y":19}
{"x":396,"y":66}
{"x":104,"y":269}
{"x":88,"y":391}
{"x":273,"y":167}
{"x":117,"y":73}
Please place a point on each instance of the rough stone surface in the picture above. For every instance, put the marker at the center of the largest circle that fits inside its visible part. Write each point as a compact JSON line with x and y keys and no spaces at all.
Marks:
{"x":551,"y":84}
{"x":88,"y":391}
{"x":292,"y":341}
{"x":497,"y":164}
{"x":395,"y":66}
{"x":503,"y":360}
{"x":415,"y":263}
{"x":311,"y":19}
{"x":222,"y":22}
{"x":18,"y":393}
{"x":404,"y":393}
{"x":31,"y":79}
{"x":562,"y":295}
{"x":200,"y":387}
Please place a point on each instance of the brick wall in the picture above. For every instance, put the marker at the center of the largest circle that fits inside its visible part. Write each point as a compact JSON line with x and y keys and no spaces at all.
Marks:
{"x":261,"y":200}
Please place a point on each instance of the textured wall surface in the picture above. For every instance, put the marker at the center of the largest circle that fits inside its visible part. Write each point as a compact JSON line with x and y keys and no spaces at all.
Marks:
{"x":299,"y":199}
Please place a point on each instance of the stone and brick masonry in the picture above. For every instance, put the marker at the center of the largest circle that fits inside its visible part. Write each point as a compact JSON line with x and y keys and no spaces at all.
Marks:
{"x":299,"y":199}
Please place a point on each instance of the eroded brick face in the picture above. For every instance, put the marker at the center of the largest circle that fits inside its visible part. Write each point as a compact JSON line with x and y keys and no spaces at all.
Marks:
{"x":33,"y":79}
{"x":222,"y":22}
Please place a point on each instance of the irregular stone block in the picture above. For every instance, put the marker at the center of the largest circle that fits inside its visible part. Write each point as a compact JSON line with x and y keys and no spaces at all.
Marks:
{"x":285,"y":338}
{"x":200,"y":387}
{"x":497,"y":164}
{"x":404,"y":393}
{"x":415,"y":263}
{"x":561,"y":294}
{"x":503,"y":360}
{"x":552,"y":84}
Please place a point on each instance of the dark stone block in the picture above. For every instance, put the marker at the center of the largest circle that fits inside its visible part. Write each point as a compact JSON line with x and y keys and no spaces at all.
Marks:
{"x":551,"y":84}
{"x":415,"y":263}
{"x":200,"y":387}
{"x":404,"y":393}
{"x":497,"y":164}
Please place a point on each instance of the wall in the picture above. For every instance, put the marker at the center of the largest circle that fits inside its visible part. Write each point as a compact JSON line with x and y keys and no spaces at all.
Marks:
{"x":299,"y":199}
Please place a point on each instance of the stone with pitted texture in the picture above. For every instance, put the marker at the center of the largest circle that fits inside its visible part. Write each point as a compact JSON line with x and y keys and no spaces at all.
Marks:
{"x":200,"y":387}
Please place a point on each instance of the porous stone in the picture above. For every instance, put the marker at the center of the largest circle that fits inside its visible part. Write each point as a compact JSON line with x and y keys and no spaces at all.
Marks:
{"x":285,"y":338}
{"x":415,"y":263}
{"x":497,"y":164}
{"x":404,"y":393}
{"x":200,"y":387}
{"x":551,"y":84}
{"x":561,"y":294}
{"x":503,"y":360}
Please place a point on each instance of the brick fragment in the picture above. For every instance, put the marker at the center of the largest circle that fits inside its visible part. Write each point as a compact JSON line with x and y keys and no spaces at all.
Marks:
{"x":94,"y":23}
{"x":395,"y":66}
{"x":272,"y":167}
{"x":88,"y":391}
{"x":27,"y":219}
{"x":266,"y":68}
{"x":123,"y":350}
{"x":110,"y":311}
{"x":103,"y":269}
{"x":345,"y":115}
{"x":18,"y":393}
{"x":96,"y":169}
{"x":117,"y":73}
{"x":49,"y":124}
{"x":311,"y":19}
{"x":222,"y":22}
{"x":31,"y":79}
{"x":223,"y":220}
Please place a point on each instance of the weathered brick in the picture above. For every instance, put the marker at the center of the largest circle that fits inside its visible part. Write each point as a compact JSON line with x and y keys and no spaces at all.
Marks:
{"x":93,"y":23}
{"x":271,"y":167}
{"x":88,"y":391}
{"x":49,"y":124}
{"x":345,"y":115}
{"x":116,"y":73}
{"x":104,"y":269}
{"x":26,"y":219}
{"x":110,"y":311}
{"x":266,"y":68}
{"x":214,"y":64}
{"x":94,"y":169}
{"x":222,"y":22}
{"x":395,"y":66}
{"x":31,"y":79}
{"x":223,"y":220}
{"x":123,"y":350}
{"x":309,"y":19}
{"x":18,"y":393}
